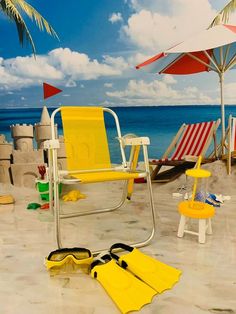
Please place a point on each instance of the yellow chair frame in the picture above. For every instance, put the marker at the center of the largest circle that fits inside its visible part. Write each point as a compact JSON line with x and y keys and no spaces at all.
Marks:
{"x":126,"y":172}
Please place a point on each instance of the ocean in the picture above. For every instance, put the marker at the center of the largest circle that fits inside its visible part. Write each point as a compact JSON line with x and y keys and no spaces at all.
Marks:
{"x":159,"y":123}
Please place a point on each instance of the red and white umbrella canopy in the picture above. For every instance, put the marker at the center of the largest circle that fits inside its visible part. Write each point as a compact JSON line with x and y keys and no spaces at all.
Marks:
{"x":213,"y":49}
{"x":210,"y":46}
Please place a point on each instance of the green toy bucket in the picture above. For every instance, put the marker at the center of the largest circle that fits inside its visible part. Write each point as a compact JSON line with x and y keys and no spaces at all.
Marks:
{"x":43,"y":188}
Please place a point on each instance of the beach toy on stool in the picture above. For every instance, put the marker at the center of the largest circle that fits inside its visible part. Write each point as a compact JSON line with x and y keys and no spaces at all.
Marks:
{"x":196,"y":208}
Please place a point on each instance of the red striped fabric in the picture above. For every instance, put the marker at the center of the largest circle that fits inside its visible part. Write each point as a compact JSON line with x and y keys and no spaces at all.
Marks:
{"x":193,"y":140}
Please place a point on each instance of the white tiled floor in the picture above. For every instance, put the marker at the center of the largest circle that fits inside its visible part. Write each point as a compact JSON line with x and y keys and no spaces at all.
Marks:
{"x":207,"y":285}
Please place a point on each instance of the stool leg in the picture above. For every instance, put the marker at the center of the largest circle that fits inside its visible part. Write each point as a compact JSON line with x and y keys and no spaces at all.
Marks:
{"x":209,"y":227}
{"x":202,"y":231}
{"x":180,"y":233}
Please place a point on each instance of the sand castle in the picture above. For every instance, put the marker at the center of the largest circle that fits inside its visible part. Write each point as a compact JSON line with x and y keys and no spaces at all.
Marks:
{"x":6,"y":150}
{"x":19,"y":161}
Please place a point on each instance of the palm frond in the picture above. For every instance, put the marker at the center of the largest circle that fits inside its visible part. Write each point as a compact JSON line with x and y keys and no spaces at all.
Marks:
{"x":13,"y":13}
{"x":35,"y":16}
{"x":224,"y":14}
{"x":13,"y":10}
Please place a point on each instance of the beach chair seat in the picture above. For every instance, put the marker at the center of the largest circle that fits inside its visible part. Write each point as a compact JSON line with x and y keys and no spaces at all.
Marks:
{"x":230,"y":143}
{"x":88,"y":161}
{"x":191,"y":141}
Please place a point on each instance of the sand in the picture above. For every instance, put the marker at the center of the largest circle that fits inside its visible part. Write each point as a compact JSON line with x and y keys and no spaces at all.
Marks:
{"x":218,"y":183}
{"x":208,"y":282}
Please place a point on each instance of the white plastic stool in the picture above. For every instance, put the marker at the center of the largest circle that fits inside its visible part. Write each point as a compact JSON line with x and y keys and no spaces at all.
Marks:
{"x":196,"y":210}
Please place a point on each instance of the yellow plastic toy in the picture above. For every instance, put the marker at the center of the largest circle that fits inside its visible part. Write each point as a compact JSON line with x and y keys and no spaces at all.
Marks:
{"x":73,"y":196}
{"x":196,"y":208}
{"x":6,"y":199}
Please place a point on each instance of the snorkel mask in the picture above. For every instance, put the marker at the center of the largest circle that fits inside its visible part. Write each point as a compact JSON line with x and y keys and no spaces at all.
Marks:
{"x":69,"y":260}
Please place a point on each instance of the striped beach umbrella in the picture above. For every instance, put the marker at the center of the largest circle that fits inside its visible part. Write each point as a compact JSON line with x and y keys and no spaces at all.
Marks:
{"x":213,"y":49}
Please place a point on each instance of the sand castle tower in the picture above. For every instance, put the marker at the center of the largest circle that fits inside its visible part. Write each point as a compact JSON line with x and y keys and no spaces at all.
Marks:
{"x":22,"y":135}
{"x":25,"y":159}
{"x":43,"y":133}
{"x":5,"y":159}
{"x":42,"y":130}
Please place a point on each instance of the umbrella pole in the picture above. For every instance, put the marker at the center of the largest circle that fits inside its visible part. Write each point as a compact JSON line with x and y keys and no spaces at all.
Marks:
{"x":221,"y":75}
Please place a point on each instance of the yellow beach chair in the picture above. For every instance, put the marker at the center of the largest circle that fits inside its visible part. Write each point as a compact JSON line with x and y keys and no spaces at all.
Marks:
{"x":88,"y":160}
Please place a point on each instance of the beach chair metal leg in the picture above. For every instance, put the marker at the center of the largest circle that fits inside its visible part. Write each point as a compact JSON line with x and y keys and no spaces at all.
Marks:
{"x":50,"y":180}
{"x":59,"y":216}
{"x":102,"y":210}
{"x":56,"y":202}
{"x":151,"y":200}
{"x":152,"y":208}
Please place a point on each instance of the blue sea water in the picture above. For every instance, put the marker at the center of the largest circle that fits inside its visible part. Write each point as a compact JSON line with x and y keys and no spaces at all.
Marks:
{"x":159,"y":123}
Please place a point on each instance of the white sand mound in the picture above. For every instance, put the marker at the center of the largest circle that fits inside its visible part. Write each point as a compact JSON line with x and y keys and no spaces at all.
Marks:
{"x":219,"y":182}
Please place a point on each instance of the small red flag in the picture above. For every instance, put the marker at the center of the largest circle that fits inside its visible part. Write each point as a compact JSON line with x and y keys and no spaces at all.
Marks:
{"x":49,"y":90}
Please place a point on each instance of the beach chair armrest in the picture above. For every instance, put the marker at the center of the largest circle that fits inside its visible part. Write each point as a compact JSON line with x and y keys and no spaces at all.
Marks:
{"x":51,"y":144}
{"x":191,"y":158}
{"x":136,"y":141}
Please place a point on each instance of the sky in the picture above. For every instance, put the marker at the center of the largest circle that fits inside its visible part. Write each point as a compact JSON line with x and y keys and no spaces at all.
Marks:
{"x":100,"y":44}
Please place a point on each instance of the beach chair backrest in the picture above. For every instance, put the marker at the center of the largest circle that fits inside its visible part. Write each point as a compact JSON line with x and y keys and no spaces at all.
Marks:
{"x":194,"y":140}
{"x":85,"y":138}
{"x":233,"y":134}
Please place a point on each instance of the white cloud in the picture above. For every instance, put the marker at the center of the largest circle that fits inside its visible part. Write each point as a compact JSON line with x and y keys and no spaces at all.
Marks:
{"x":169,"y":79}
{"x":108,"y":85}
{"x":151,"y":5}
{"x":71,"y":83}
{"x":115,"y":17}
{"x":30,"y":68}
{"x":139,"y":92}
{"x":59,"y":65}
{"x":151,"y":30}
{"x":108,"y":103}
{"x":229,"y":91}
{"x":11,"y":81}
{"x":138,"y":58}
{"x":118,"y":63}
{"x":79,"y":66}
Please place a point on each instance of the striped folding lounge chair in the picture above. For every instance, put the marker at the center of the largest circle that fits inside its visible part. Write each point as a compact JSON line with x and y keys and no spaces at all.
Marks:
{"x":191,"y":141}
{"x":230,"y":144}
